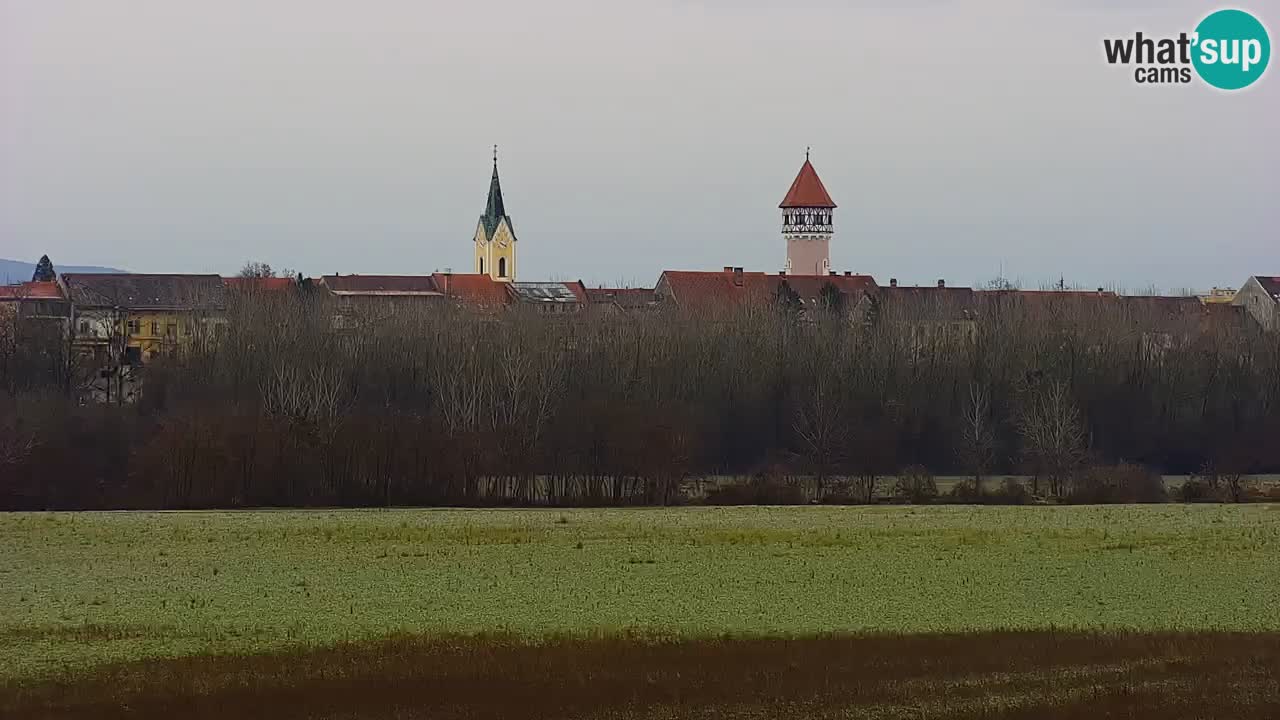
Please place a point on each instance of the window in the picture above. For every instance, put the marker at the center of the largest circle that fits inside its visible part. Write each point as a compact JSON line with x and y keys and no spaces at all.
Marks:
{"x":481,"y":266}
{"x":186,"y":329}
{"x":171,"y":330}
{"x":134,"y":327}
{"x":155,"y":327}
{"x":502,"y":267}
{"x":84,"y":327}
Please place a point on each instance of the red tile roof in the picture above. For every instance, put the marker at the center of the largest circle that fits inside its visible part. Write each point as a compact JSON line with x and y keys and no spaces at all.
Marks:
{"x":809,"y":287}
{"x":471,"y":289}
{"x":381,"y":284}
{"x":579,"y":291}
{"x":946,"y":302}
{"x":31,"y":291}
{"x":1054,"y":299}
{"x":1169,"y":304}
{"x":273,"y":284}
{"x":948,"y":292}
{"x":1058,"y":293}
{"x":622,"y":297}
{"x":807,"y":190}
{"x":691,"y":289}
{"x":730,"y":288}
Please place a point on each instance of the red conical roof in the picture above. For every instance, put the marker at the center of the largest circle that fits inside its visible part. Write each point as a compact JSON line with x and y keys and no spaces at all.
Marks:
{"x":807,"y":190}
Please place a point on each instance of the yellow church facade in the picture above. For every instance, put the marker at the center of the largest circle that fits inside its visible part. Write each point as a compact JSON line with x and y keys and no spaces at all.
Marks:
{"x":495,"y":238}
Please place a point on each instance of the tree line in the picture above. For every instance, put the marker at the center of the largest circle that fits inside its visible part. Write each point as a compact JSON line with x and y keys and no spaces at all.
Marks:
{"x":458,"y":408}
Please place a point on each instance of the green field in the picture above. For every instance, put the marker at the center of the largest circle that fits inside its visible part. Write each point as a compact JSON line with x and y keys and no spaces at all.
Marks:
{"x":81,"y":589}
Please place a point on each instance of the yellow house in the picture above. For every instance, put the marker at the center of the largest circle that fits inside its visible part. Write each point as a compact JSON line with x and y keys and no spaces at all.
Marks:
{"x":1219,"y":295}
{"x":154,"y":333}
{"x":495,"y":238}
{"x":130,"y":319}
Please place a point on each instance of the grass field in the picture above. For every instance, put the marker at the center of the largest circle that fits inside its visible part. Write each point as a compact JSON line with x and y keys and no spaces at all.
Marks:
{"x":85,"y":596}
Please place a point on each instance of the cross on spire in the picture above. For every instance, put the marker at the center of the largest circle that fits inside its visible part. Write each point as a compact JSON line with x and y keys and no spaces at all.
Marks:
{"x":494,"y":209}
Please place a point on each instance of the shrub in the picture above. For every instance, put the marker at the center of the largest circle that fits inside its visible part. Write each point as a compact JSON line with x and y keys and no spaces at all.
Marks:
{"x":916,"y":485}
{"x":1196,"y":490}
{"x":756,"y":491}
{"x":1265,"y":494}
{"x":963,"y":492}
{"x":1121,"y":483}
{"x":1010,"y":492}
{"x":855,"y":490}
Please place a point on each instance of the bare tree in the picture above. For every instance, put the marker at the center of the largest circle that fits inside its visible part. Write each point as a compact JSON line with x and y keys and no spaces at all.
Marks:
{"x":106,"y":372}
{"x":16,"y":441}
{"x":1052,"y":433}
{"x":978,"y":436}
{"x":819,"y":424}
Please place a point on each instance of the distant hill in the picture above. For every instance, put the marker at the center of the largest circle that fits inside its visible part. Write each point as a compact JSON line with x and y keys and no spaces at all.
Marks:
{"x":14,"y":271}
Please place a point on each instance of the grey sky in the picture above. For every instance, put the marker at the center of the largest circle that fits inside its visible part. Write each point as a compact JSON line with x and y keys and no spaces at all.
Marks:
{"x":324,"y":135}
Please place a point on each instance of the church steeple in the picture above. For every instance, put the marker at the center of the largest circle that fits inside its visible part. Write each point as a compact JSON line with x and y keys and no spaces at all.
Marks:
{"x":495,"y":236}
{"x":494,"y":209}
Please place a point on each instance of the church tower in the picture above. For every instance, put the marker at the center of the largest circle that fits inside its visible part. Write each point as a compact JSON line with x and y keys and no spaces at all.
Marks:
{"x":495,"y":238}
{"x":807,"y":223}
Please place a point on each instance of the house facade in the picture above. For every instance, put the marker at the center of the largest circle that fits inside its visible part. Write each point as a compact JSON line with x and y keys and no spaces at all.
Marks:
{"x":369,"y":300}
{"x":1260,"y":298}
{"x":132,"y":319}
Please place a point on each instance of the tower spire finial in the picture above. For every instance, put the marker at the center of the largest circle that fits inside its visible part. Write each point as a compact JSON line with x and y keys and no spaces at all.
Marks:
{"x":806,"y":153}
{"x":495,"y":155}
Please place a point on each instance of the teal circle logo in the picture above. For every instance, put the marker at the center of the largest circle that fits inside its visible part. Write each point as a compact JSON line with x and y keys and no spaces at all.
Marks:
{"x":1232,"y":49}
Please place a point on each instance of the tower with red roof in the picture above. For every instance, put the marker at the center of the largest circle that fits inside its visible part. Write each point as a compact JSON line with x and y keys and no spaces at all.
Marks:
{"x":807,"y":224}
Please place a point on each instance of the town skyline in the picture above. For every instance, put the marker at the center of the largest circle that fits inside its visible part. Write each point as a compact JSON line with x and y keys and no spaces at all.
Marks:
{"x":359,"y":142}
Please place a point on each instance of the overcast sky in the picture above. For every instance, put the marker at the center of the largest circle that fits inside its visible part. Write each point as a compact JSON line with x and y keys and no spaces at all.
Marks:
{"x":958,"y":138}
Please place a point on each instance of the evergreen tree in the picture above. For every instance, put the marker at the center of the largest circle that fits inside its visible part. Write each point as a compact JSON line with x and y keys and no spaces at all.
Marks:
{"x":44,"y":270}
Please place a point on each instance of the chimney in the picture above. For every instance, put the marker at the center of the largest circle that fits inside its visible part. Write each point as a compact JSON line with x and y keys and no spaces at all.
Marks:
{"x":728,"y":269}
{"x":942,"y":283}
{"x":737,"y":276}
{"x":782,"y":273}
{"x":893,"y":282}
{"x":834,"y":273}
{"x":848,"y":273}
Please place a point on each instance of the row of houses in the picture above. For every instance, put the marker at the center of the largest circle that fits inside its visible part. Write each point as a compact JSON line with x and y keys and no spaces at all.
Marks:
{"x":134,"y":318}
